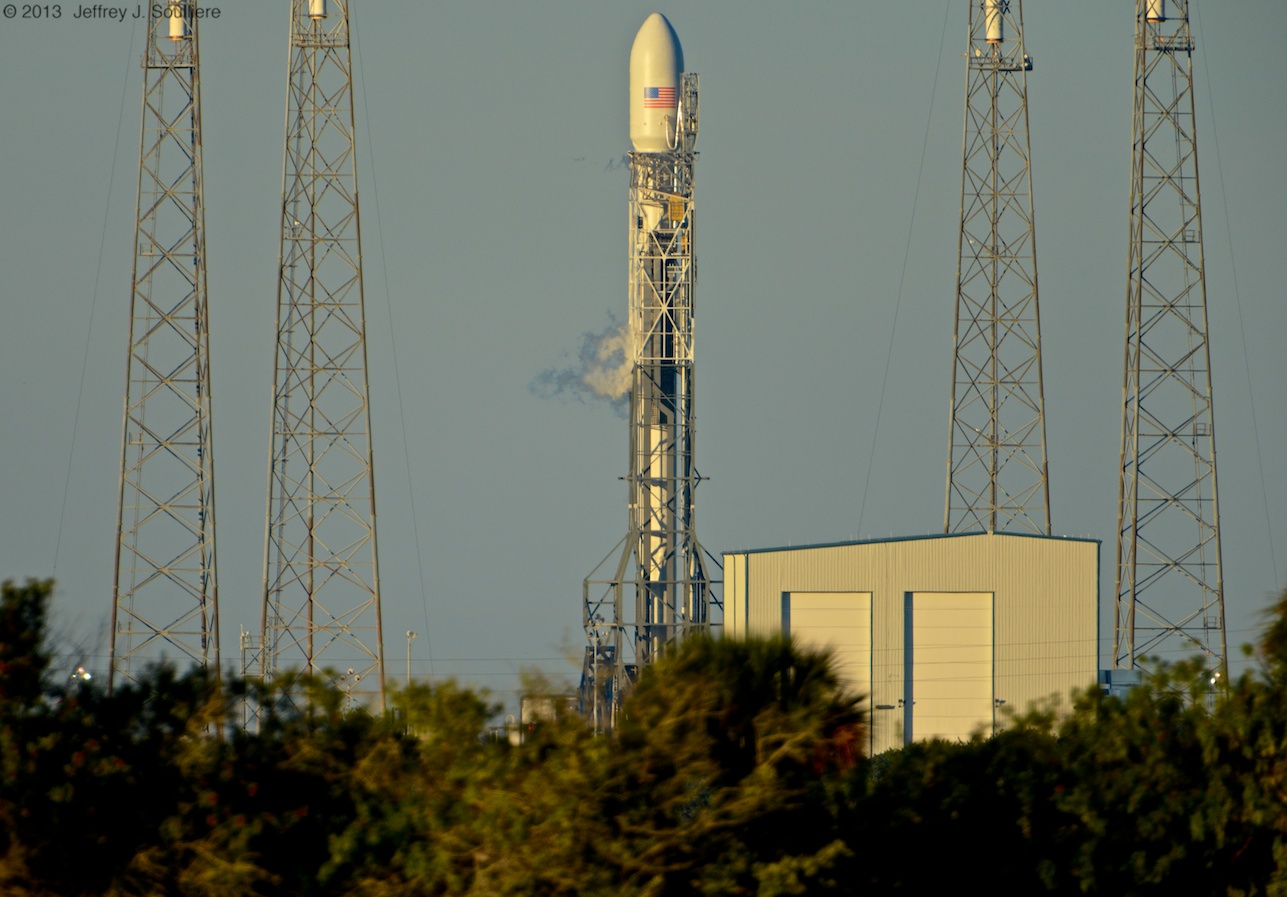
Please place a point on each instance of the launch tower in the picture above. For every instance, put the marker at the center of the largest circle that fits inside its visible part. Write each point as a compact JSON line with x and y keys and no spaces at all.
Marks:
{"x":996,"y":470}
{"x":321,"y":607}
{"x":1169,"y":593}
{"x":656,"y":589}
{"x":165,"y":595}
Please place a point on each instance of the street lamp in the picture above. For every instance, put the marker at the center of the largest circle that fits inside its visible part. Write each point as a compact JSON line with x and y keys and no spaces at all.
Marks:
{"x":410,"y":635}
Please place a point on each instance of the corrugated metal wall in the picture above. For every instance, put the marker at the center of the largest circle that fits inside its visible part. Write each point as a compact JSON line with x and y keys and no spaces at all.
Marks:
{"x":1046,"y":606}
{"x":840,"y":621}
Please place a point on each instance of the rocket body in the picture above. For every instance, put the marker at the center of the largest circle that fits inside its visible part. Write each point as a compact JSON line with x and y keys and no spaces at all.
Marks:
{"x":656,"y":61}
{"x":661,"y":320}
{"x":660,"y":591}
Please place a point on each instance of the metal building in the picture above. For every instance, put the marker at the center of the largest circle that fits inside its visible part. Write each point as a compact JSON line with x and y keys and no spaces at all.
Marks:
{"x":941,"y":633}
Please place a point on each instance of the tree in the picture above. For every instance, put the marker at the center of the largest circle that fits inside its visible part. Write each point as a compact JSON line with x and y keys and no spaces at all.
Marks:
{"x":716,"y":785}
{"x":24,"y":657}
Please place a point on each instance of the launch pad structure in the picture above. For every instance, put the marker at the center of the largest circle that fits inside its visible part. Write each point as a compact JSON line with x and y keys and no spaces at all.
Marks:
{"x":321,"y":600}
{"x":997,"y":476}
{"x":1169,"y":585}
{"x":321,"y":596}
{"x":654,"y":588}
{"x":165,"y":603}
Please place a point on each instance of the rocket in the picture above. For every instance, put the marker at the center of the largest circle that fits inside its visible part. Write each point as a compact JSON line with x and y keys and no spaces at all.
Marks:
{"x":656,"y":61}
{"x":660,"y":591}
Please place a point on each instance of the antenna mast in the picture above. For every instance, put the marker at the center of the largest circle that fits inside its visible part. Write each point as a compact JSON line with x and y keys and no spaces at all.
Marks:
{"x":1170,"y":592}
{"x":997,"y":478}
{"x":321,"y":583}
{"x":165,"y":596}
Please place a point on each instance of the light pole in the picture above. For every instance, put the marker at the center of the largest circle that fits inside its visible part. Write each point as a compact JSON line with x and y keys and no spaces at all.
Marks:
{"x":410,"y":635}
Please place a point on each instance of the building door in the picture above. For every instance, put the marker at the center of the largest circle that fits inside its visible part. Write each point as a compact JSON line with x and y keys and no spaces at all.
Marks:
{"x":840,"y":621}
{"x":947,"y":657}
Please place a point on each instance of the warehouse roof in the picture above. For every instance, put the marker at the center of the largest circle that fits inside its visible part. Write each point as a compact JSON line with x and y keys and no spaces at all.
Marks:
{"x":889,"y":539}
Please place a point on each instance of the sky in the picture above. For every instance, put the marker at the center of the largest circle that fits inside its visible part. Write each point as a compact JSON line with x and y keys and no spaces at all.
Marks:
{"x":493,"y":203}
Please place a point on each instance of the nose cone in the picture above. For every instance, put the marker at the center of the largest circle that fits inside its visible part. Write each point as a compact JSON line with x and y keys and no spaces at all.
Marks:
{"x":656,"y":61}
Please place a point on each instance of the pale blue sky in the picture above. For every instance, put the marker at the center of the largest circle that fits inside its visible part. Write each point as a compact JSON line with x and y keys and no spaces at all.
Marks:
{"x":494,"y":231}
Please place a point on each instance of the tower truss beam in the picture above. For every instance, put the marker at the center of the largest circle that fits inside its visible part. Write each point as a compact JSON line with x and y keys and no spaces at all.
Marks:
{"x":997,"y":476}
{"x":165,"y":594}
{"x":321,"y":611}
{"x":1169,"y":584}
{"x":657,"y":588}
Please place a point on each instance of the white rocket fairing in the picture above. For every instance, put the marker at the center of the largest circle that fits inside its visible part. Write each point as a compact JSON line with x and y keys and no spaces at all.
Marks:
{"x":656,"y":62}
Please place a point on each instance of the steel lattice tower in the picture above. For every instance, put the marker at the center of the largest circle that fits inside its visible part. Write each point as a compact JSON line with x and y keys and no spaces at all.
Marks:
{"x":996,"y":471}
{"x":321,"y":581}
{"x":1170,"y":594}
{"x":165,"y":597}
{"x":658,"y":589}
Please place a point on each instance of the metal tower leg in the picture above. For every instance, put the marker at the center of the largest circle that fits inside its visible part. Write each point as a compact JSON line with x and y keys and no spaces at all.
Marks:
{"x":251,"y":665}
{"x":1170,"y":592}
{"x":165,"y":595}
{"x":321,"y":584}
{"x":997,"y":478}
{"x":659,"y":590}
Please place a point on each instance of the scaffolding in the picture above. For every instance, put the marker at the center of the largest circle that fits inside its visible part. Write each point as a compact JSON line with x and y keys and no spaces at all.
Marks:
{"x":657,"y":588}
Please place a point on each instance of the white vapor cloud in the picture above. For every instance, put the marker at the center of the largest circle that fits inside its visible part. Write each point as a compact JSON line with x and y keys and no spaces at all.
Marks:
{"x":602,"y":369}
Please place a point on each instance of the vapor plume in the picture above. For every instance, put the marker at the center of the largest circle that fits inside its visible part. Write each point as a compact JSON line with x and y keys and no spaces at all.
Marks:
{"x":602,"y":370}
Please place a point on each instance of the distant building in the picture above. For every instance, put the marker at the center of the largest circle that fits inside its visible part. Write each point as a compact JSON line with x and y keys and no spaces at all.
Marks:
{"x":938,"y":632}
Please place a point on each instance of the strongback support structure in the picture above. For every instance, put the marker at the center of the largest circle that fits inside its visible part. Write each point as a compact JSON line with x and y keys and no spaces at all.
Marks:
{"x":165,"y":596}
{"x":1170,"y":592}
{"x":996,"y":471}
{"x":321,"y":611}
{"x":657,"y":589}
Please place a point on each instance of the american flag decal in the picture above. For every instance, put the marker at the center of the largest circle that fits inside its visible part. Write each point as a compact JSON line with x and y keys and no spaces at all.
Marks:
{"x":659,"y":97}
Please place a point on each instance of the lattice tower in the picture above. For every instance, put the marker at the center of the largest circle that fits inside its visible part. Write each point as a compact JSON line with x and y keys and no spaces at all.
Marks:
{"x":1169,"y":591}
{"x":321,"y":582}
{"x":996,"y":471}
{"x":165,"y":596}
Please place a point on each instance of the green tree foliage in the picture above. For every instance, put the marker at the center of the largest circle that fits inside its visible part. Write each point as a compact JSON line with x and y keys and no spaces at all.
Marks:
{"x":1180,"y":787}
{"x":717,"y":780}
{"x":24,"y":658}
{"x":419,"y":793}
{"x":936,"y":811}
{"x":736,"y":769}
